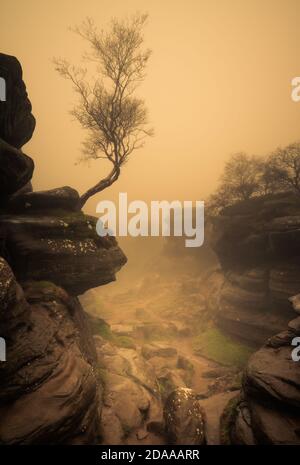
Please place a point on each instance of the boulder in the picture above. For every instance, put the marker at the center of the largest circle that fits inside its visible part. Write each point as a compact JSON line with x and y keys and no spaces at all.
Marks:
{"x":158,"y":350}
{"x":16,"y":120}
{"x":269,"y":412}
{"x":16,"y":170}
{"x":62,"y":247}
{"x":62,"y":198}
{"x":49,"y":392}
{"x":184,"y":418}
{"x":131,"y":395}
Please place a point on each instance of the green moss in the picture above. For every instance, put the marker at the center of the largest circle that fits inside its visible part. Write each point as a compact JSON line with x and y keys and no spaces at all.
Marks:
{"x":102,"y":374}
{"x":126,"y":429}
{"x":227,"y":420}
{"x":215,"y":345}
{"x":42,"y":285}
{"x":165,"y":388}
{"x":101,"y":328}
{"x":123,"y":341}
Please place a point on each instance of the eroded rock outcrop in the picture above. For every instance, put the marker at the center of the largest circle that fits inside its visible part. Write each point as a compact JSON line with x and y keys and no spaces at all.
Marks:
{"x":48,"y":386}
{"x":51,"y":391}
{"x":258,"y":245}
{"x":132,"y":405}
{"x":267,"y":410}
{"x":16,"y":120}
{"x":58,"y":244}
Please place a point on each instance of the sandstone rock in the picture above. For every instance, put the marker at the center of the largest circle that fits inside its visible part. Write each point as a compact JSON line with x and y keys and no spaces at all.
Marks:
{"x":284,"y":282}
{"x":275,"y":426}
{"x":63,"y":198}
{"x":152,"y":330}
{"x":294,"y":325}
{"x":16,"y":170}
{"x":63,"y":248}
{"x":48,"y":389}
{"x":184,"y":418}
{"x":159,"y":350}
{"x":16,"y":120}
{"x":123,"y":330}
{"x":248,"y":307}
{"x":170,"y":380}
{"x":131,"y":395}
{"x":272,"y":374}
{"x":258,"y":244}
{"x":271,"y":393}
{"x":243,"y":426}
{"x":295,"y":301}
{"x":248,"y":325}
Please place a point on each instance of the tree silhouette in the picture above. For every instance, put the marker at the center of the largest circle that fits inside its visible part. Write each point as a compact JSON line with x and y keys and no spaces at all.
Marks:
{"x":284,"y":167}
{"x":115,"y":119}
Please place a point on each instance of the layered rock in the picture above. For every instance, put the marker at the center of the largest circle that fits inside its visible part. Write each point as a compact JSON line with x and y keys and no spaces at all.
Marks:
{"x":268,"y":408}
{"x":47,"y":241}
{"x":132,"y":403}
{"x":258,"y":245}
{"x":16,"y":170}
{"x":16,"y":120}
{"x":51,"y":391}
{"x":184,"y":418}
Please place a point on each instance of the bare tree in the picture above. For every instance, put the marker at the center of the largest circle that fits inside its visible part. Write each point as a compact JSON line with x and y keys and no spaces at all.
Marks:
{"x":241,"y":180}
{"x":242,"y":175}
{"x":284,"y":167}
{"x":115,"y":119}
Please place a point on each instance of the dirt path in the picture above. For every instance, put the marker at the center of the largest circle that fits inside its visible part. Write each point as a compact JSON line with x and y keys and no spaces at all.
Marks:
{"x":136,"y":307}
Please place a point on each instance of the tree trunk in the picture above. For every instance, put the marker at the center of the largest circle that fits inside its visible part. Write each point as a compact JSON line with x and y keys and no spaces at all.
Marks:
{"x":100,"y":186}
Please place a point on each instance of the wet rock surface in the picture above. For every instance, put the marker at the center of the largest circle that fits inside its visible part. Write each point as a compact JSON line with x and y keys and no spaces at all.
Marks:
{"x":184,"y":418}
{"x":50,"y":388}
{"x":16,"y":170}
{"x":63,"y":198}
{"x":16,"y":120}
{"x":268,"y":411}
{"x":131,"y":398}
{"x":62,"y":247}
{"x":49,"y":392}
{"x":257,"y":244}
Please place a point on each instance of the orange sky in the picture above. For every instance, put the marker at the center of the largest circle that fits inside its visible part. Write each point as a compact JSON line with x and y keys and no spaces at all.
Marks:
{"x":218,"y":82}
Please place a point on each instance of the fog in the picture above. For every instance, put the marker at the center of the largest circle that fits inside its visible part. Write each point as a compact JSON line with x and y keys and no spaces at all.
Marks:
{"x":219,"y":81}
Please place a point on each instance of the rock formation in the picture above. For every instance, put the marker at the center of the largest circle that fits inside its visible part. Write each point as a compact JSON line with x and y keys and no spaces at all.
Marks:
{"x":16,"y":120}
{"x":51,"y":390}
{"x":267,"y":411}
{"x":258,"y":246}
{"x":184,"y":418}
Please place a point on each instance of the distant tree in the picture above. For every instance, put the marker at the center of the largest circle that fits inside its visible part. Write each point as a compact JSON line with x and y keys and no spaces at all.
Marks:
{"x":284,"y":168}
{"x":115,"y":119}
{"x":241,"y":180}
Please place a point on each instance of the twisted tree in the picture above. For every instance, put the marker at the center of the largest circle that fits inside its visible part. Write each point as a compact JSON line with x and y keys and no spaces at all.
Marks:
{"x":115,"y":119}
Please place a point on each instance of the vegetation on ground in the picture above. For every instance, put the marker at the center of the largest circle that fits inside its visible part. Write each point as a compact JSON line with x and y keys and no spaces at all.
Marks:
{"x":101,"y":328}
{"x":215,"y":345}
{"x":227,"y":420}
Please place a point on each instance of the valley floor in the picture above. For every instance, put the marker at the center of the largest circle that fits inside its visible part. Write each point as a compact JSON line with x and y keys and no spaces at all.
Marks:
{"x":158,"y":319}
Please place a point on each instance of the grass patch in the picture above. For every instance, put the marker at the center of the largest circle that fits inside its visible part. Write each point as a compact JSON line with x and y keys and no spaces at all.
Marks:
{"x":125,"y":342}
{"x":215,"y":345}
{"x":101,"y":328}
